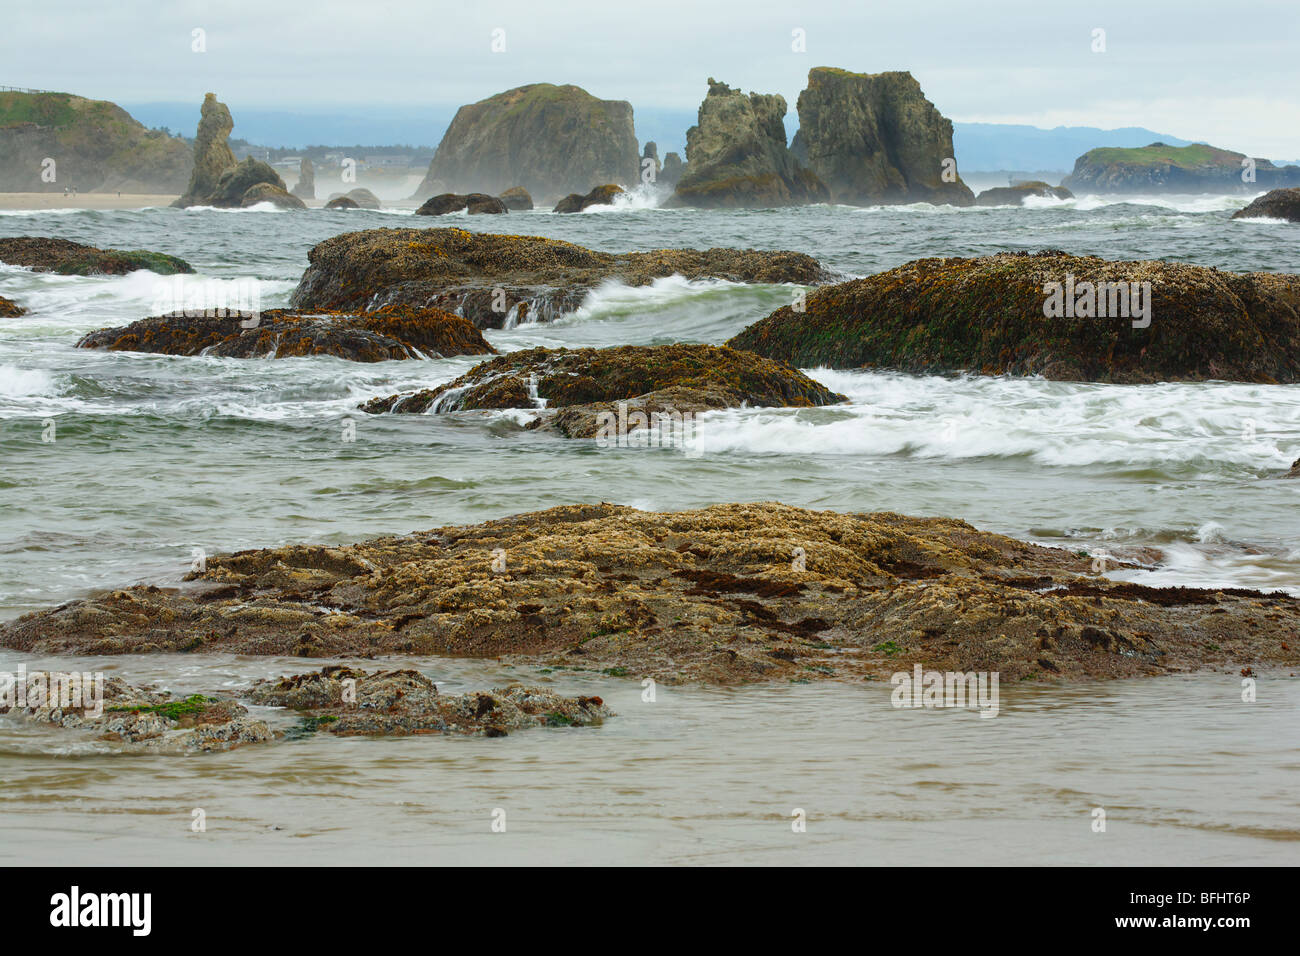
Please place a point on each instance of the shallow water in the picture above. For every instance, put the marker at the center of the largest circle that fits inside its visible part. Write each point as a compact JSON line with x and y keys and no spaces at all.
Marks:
{"x":156,"y":456}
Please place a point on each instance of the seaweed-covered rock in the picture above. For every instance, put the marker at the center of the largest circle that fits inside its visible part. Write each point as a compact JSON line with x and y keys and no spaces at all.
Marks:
{"x":305,"y":187}
{"x":1015,"y":195}
{"x":875,"y":138}
{"x":1042,"y":314}
{"x":590,"y":376}
{"x":517,"y":198}
{"x":737,"y":156}
{"x":342,"y":202}
{"x":10,"y":309}
{"x":600,"y":196}
{"x":549,"y":139}
{"x":394,"y":332}
{"x":732,"y":593}
{"x":212,"y":155}
{"x":348,"y":702}
{"x":72,"y":258}
{"x":269,"y":192}
{"x":473,"y":203}
{"x":135,"y":719}
{"x":1276,"y":204}
{"x":495,"y":279}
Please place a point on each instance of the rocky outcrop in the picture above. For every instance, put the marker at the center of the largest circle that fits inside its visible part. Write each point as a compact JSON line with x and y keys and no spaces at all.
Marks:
{"x":517,"y":198}
{"x":1015,"y":195}
{"x":241,"y":179}
{"x":364,"y":198}
{"x":1160,"y":168}
{"x":347,"y":702}
{"x":1276,"y":204}
{"x":269,"y":192}
{"x":1295,"y":470}
{"x":72,"y":258}
{"x":96,"y":146}
{"x":212,"y":155}
{"x":600,"y":196}
{"x":495,"y":280}
{"x":651,"y":152}
{"x":396,"y":332}
{"x":736,"y":155}
{"x":551,"y":140}
{"x":474,"y":204}
{"x":598,"y":379}
{"x":342,"y":202}
{"x":305,"y":187}
{"x":672,"y":172}
{"x":133,"y":719}
{"x":1008,"y":314}
{"x":10,"y":309}
{"x":728,"y":594}
{"x":874,"y":138}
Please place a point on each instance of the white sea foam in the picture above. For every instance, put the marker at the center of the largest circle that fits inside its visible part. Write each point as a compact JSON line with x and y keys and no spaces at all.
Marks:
{"x":26,"y":382}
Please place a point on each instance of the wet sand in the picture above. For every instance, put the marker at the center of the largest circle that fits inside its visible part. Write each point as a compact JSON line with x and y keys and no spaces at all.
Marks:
{"x":57,"y":200}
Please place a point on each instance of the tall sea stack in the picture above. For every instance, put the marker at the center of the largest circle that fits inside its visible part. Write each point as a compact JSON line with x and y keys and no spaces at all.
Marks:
{"x":212,"y":155}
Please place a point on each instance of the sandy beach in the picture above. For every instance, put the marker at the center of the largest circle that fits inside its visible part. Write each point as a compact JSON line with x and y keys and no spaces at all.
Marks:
{"x":19,"y":201}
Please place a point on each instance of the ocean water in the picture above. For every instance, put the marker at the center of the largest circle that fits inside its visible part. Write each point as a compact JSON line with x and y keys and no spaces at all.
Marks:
{"x":154,"y":456}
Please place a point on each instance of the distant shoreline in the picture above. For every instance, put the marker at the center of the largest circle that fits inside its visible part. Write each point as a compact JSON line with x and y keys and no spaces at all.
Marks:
{"x":40,"y":201}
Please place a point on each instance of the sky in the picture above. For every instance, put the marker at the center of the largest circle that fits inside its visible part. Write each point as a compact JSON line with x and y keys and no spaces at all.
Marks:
{"x":1228,"y":74}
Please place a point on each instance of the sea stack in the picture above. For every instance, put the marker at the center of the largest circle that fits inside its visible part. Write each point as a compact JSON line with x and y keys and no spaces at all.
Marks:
{"x":873,"y":138}
{"x":736,"y":155}
{"x":212,"y":155}
{"x":551,"y":140}
{"x":305,"y":187}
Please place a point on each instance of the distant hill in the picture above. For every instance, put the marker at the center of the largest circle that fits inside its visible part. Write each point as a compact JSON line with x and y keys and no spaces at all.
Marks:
{"x":95,"y":146}
{"x":987,"y":147}
{"x":1160,"y":167}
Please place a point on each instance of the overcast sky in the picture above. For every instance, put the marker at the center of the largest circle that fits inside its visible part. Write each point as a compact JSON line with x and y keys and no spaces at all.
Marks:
{"x":1227,"y":73}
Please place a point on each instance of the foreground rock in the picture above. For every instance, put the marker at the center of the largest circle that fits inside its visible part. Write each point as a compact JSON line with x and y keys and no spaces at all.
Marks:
{"x":395,"y":332}
{"x":600,"y":196}
{"x":728,"y":594}
{"x":875,"y":138}
{"x":133,"y":719}
{"x":492,"y":279}
{"x":549,"y":139}
{"x":986,"y":315}
{"x":474,"y":203}
{"x":584,"y":382}
{"x":1277,"y":204}
{"x":1016,"y":195}
{"x":1160,"y":168}
{"x":10,"y":309}
{"x":348,"y":702}
{"x":736,"y":155}
{"x":65,"y":257}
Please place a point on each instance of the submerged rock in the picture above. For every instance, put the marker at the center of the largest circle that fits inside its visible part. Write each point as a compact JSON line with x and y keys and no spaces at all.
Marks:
{"x":727,"y":594}
{"x":1276,"y":204}
{"x":473,"y":203}
{"x":395,"y":332}
{"x":493,"y":280}
{"x":212,"y":155}
{"x":600,"y":196}
{"x":736,"y":155}
{"x":10,"y":309}
{"x":717,"y":378}
{"x":269,"y":192}
{"x":1015,"y":195}
{"x":987,"y":315}
{"x":875,"y":138}
{"x":348,"y":702}
{"x":517,"y":197}
{"x":141,"y":720}
{"x":548,"y":139}
{"x":65,"y":257}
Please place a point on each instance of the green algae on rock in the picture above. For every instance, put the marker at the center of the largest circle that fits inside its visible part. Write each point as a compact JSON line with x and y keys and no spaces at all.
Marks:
{"x":394,"y":332}
{"x":986,"y":315}
{"x":596,"y":377}
{"x":727,"y":594}
{"x":66,"y":257}
{"x":488,"y":278}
